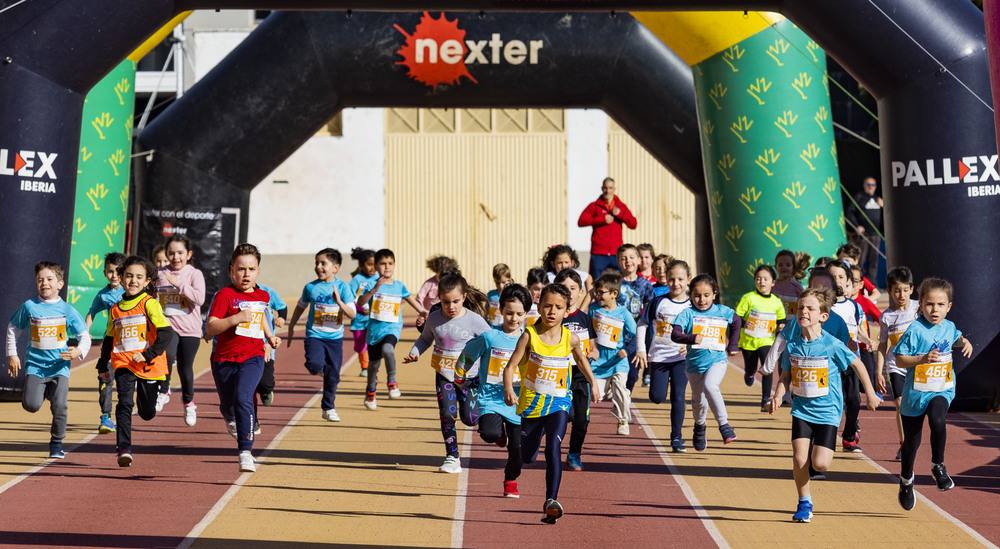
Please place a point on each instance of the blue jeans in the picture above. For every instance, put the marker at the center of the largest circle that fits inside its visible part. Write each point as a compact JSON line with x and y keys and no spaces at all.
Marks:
{"x":325,"y":356}
{"x":236,"y":383}
{"x":600,"y":262}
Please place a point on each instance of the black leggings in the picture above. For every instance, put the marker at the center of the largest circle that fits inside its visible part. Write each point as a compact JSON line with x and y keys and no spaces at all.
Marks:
{"x":913,"y":427}
{"x":852,"y":402}
{"x":752,"y":361}
{"x":662,"y":375}
{"x":553,"y":426}
{"x":184,"y":349}
{"x":579,"y":412}
{"x":133,"y":391}
{"x":491,"y":428}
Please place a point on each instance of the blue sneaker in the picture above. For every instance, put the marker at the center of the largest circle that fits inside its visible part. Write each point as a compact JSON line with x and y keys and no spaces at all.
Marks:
{"x":677,"y":445}
{"x":699,"y":440}
{"x":803,"y":513}
{"x":573,"y":462}
{"x":56,"y":450}
{"x":107,"y":426}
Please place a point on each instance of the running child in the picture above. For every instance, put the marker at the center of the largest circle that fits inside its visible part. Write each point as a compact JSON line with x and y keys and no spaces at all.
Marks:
{"x":537,"y":279}
{"x":329,"y":300}
{"x":542,"y":360}
{"x":660,"y":264}
{"x":791,"y":268}
{"x":385,"y":323}
{"x":50,"y":321}
{"x":810,"y":369}
{"x":703,"y":328}
{"x":560,"y":257}
{"x":851,"y":254}
{"x":854,"y":318}
{"x":181,"y":292}
{"x":763,"y":317}
{"x":501,"y":278}
{"x":613,"y":325}
{"x":925,"y":350}
{"x":646,"y":257}
{"x":448,"y":330}
{"x":581,"y":326}
{"x":362,"y":279}
{"x":265,"y":388}
{"x":902,"y":311}
{"x":635,"y":293}
{"x":498,"y":421}
{"x":159,"y":256}
{"x":134,"y":349}
{"x":427,"y":295}
{"x":105,"y":299}
{"x":665,"y":359}
{"x":237,"y":318}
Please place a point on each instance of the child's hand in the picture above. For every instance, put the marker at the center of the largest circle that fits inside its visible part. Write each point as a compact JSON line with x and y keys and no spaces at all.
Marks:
{"x":420,"y":320}
{"x":593,"y":354}
{"x":880,"y":383}
{"x":279,"y":322}
{"x":622,"y":354}
{"x":13,"y":365}
{"x":275,"y":342}
{"x":509,"y":396}
{"x":594,"y":397}
{"x":410,"y":358}
{"x":683,"y":350}
{"x":932,"y":356}
{"x":640,"y":359}
{"x":171,"y":277}
{"x":966,"y":348}
{"x":137,"y":357}
{"x":775,"y":404}
{"x":873,"y":401}
{"x":697,"y":339}
{"x":70,"y":353}
{"x":733,"y":353}
{"x":104,"y":376}
{"x":244,"y":317}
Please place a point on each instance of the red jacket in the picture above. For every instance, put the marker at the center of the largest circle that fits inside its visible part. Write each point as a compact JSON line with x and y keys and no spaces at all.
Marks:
{"x":607,"y":237}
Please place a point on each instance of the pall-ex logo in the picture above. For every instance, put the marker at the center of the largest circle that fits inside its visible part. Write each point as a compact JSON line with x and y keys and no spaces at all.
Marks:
{"x":438,"y":53}
{"x":968,"y":169}
{"x":24,"y":164}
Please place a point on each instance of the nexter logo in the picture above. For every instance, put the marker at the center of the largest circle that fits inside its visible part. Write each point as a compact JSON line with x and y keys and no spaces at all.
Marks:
{"x":438,"y":53}
{"x":35,"y":165}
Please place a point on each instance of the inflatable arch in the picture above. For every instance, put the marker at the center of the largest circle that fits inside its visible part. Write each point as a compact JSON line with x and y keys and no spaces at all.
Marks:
{"x":925,"y":63}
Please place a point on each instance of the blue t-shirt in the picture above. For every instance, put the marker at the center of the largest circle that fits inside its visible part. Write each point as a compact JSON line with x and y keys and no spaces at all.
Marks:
{"x":716,"y":319}
{"x":492,"y":350}
{"x":819,"y":363}
{"x":834,"y":326}
{"x":49,"y":327}
{"x":359,"y":285}
{"x":611,"y":329}
{"x":635,"y":294}
{"x":106,"y":298}
{"x":386,"y":312}
{"x":926,"y":381}
{"x":326,"y":320}
{"x":661,"y":290}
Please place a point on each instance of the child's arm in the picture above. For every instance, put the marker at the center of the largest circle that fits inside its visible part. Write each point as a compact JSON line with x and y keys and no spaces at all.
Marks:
{"x":774,"y":355}
{"x":412,"y":301}
{"x":906,"y":361}
{"x":103,"y":363}
{"x":736,"y":324}
{"x":582,"y":363}
{"x":866,"y":383}
{"x":299,"y":309}
{"x":349,"y":312}
{"x":193,"y":288}
{"x":677,"y":335}
{"x":780,"y":390}
{"x":163,"y":335}
{"x":271,"y":339}
{"x":89,"y":320}
{"x":13,"y":361}
{"x":589,"y":286}
{"x":80,"y":350}
{"x":216,"y":326}
{"x":420,"y":345}
{"x":640,"y":345}
{"x":965,"y":345}
{"x":366,"y":297}
{"x":509,"y":396}
{"x":883,"y":348}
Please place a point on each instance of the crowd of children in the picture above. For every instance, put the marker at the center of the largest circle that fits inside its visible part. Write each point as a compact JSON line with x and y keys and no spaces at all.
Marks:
{"x":521,"y":362}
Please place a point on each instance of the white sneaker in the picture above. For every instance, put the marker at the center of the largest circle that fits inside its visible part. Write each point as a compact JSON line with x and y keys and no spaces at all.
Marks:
{"x":190,"y":416}
{"x":394,"y":392}
{"x":247,"y":464}
{"x":231,"y":427}
{"x":451,"y":465}
{"x":161,"y":400}
{"x":623,"y":429}
{"x":331,"y":415}
{"x":371,"y":404}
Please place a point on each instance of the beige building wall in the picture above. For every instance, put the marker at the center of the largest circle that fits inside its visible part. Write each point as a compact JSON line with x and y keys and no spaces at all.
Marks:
{"x":663,"y":206}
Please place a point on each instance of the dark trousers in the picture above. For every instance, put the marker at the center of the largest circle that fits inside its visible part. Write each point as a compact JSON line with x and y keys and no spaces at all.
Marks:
{"x":662,"y":375}
{"x":455,"y":402}
{"x":325,"y":356}
{"x":105,"y":392}
{"x":553,"y":426}
{"x":852,"y":403}
{"x":494,"y":426}
{"x":236,"y":382}
{"x":600,"y":262}
{"x":913,"y":427}
{"x":752,"y":361}
{"x":868,"y":359}
{"x":579,"y":412}
{"x":182,"y":349}
{"x":133,"y":390}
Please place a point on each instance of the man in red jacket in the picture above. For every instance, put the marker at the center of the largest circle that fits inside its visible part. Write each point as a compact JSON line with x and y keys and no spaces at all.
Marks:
{"x":606,"y":215}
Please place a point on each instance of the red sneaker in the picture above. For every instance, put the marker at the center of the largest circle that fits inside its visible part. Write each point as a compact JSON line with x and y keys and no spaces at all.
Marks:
{"x":510,"y":489}
{"x":502,"y":441}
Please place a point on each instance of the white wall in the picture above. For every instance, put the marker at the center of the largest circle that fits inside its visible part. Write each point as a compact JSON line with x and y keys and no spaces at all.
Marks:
{"x":335,"y":195}
{"x":587,"y":166}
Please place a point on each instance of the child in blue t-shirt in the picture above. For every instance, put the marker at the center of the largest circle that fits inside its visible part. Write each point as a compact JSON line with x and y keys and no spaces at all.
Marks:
{"x":105,"y":299}
{"x":265,"y":389}
{"x":329,"y":300}
{"x":50,"y":321}
{"x":925,"y":351}
{"x":812,"y":369}
{"x":636,"y":292}
{"x":613,"y":326}
{"x":703,"y":328}
{"x":385,"y":323}
{"x":363,"y":279}
{"x":501,"y":278}
{"x":498,"y":422}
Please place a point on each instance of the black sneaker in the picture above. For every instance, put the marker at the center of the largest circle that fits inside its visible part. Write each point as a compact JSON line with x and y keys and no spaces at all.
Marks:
{"x":728,"y":434}
{"x":906,"y":498}
{"x":552,"y":511}
{"x":944,"y":482}
{"x":899,"y":454}
{"x":765,"y":405}
{"x":748,"y":378}
{"x":699,"y":440}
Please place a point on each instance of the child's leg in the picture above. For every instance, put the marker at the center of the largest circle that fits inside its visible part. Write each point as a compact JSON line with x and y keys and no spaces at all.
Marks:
{"x":678,"y":383}
{"x":126,"y":381}
{"x":913,"y":427}
{"x":171,"y":353}
{"x":852,"y":404}
{"x":468,"y":402}
{"x":936,"y":411}
{"x":266,"y":385}
{"x":620,"y":397}
{"x":581,"y":413}
{"x":713,"y":379}
{"x":800,"y":465}
{"x":766,"y":380}
{"x":244,"y":381}
{"x":555,"y":430}
{"x":389,"y":355}
{"x":187,"y":348}
{"x":513,"y":468}
{"x":491,"y":427}
{"x":374,"y":362}
{"x":224,"y":373}
{"x":315,"y":355}
{"x":361,"y":347}
{"x":532,"y":429}
{"x":699,"y":404}
{"x":896,"y":381}
{"x":145,"y":398}
{"x":105,"y":391}
{"x":34,"y":393}
{"x":749,"y":366}
{"x":58,"y":391}
{"x":448,"y":406}
{"x":334,"y":357}
{"x":659,"y":377}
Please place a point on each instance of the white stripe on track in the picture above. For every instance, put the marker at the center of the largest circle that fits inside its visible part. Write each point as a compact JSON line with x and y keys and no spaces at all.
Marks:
{"x":458,"y":522}
{"x":220,"y":505}
{"x":681,"y":483}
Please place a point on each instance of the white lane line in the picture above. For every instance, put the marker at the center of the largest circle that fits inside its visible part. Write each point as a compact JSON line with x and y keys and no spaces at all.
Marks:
{"x":220,"y":505}
{"x":458,"y":522}
{"x":688,"y":493}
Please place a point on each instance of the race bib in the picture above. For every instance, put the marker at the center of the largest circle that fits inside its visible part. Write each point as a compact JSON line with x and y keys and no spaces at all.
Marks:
{"x":547,"y":375}
{"x":664,"y":325}
{"x":255,"y":328}
{"x":385,"y":307}
{"x":362,"y":308}
{"x":130,"y":334}
{"x":810,"y":376}
{"x":443,"y":361}
{"x":173,"y":303}
{"x":583,"y":334}
{"x":493,"y":316}
{"x":327,"y":317}
{"x":934,"y":377}
{"x":533,"y":315}
{"x":791,"y":304}
{"x":608,"y":329}
{"x":498,"y":362}
{"x":896,"y":331}
{"x":760,"y":324}
{"x":48,"y":333}
{"x":713,"y":332}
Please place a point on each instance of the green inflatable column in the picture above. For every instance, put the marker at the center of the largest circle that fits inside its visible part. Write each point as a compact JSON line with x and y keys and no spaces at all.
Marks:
{"x":769,"y":153}
{"x":102,"y":186}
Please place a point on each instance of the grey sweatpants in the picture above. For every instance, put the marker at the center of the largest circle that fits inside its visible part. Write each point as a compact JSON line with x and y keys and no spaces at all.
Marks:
{"x":56,"y":389}
{"x":705,"y":393}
